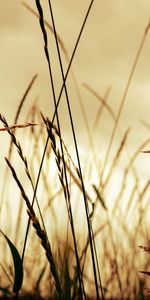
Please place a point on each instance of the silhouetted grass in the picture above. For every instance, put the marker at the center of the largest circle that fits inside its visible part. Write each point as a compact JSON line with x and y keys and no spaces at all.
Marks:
{"x":91,"y":252}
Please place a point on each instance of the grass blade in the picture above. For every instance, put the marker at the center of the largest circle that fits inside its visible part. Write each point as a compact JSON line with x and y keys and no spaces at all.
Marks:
{"x":18,"y":268}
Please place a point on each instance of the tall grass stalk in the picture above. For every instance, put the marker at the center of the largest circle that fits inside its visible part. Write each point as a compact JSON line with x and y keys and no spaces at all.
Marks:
{"x":65,"y":52}
{"x":77,"y":153}
{"x":124,"y":97}
{"x":65,"y":77}
{"x":11,"y":143}
{"x":39,"y":231}
{"x":66,"y":190}
{"x":108,"y":245}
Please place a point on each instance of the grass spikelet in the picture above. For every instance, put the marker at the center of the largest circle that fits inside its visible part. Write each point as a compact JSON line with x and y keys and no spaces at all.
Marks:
{"x":61,"y":165}
{"x":145,"y":124}
{"x":124,"y":97}
{"x":16,"y":143}
{"x":63,"y":48}
{"x":144,"y":272}
{"x":24,"y":98}
{"x":126,"y":171}
{"x":13,"y":127}
{"x":39,"y":231}
{"x":100,"y":198}
{"x":146,"y":151}
{"x":146,"y":249}
{"x":116,"y":158}
{"x":34,"y":13}
{"x":101,"y":100}
{"x":42,"y":25}
{"x":100,"y":110}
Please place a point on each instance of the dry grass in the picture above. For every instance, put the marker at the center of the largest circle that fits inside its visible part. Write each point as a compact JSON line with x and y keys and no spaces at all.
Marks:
{"x":91,"y":250}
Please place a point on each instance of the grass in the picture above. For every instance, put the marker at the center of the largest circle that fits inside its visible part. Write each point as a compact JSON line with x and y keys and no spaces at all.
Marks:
{"x":78,"y":247}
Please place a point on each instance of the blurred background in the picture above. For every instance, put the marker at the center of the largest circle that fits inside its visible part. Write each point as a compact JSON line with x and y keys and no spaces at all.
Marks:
{"x":101,"y":68}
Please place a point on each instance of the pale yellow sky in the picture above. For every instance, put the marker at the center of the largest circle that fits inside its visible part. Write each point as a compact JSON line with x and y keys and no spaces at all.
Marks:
{"x":104,"y":58}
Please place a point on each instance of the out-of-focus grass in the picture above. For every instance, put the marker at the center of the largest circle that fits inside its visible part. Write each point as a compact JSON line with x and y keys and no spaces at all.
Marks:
{"x":89,"y":214}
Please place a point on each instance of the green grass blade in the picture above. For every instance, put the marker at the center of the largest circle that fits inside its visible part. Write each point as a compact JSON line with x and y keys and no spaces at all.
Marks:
{"x":18,"y":268}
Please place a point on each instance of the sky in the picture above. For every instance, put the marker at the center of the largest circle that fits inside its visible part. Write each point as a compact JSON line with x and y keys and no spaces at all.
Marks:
{"x":104,"y":57}
{"x":103,"y":60}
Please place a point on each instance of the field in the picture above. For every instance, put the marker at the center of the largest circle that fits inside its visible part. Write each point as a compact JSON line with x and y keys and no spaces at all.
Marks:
{"x":74,"y":191}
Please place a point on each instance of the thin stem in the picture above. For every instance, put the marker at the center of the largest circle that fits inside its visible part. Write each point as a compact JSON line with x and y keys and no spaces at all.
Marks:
{"x":65,"y":172}
{"x":78,"y":158}
{"x":124,"y":97}
{"x":57,"y":104}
